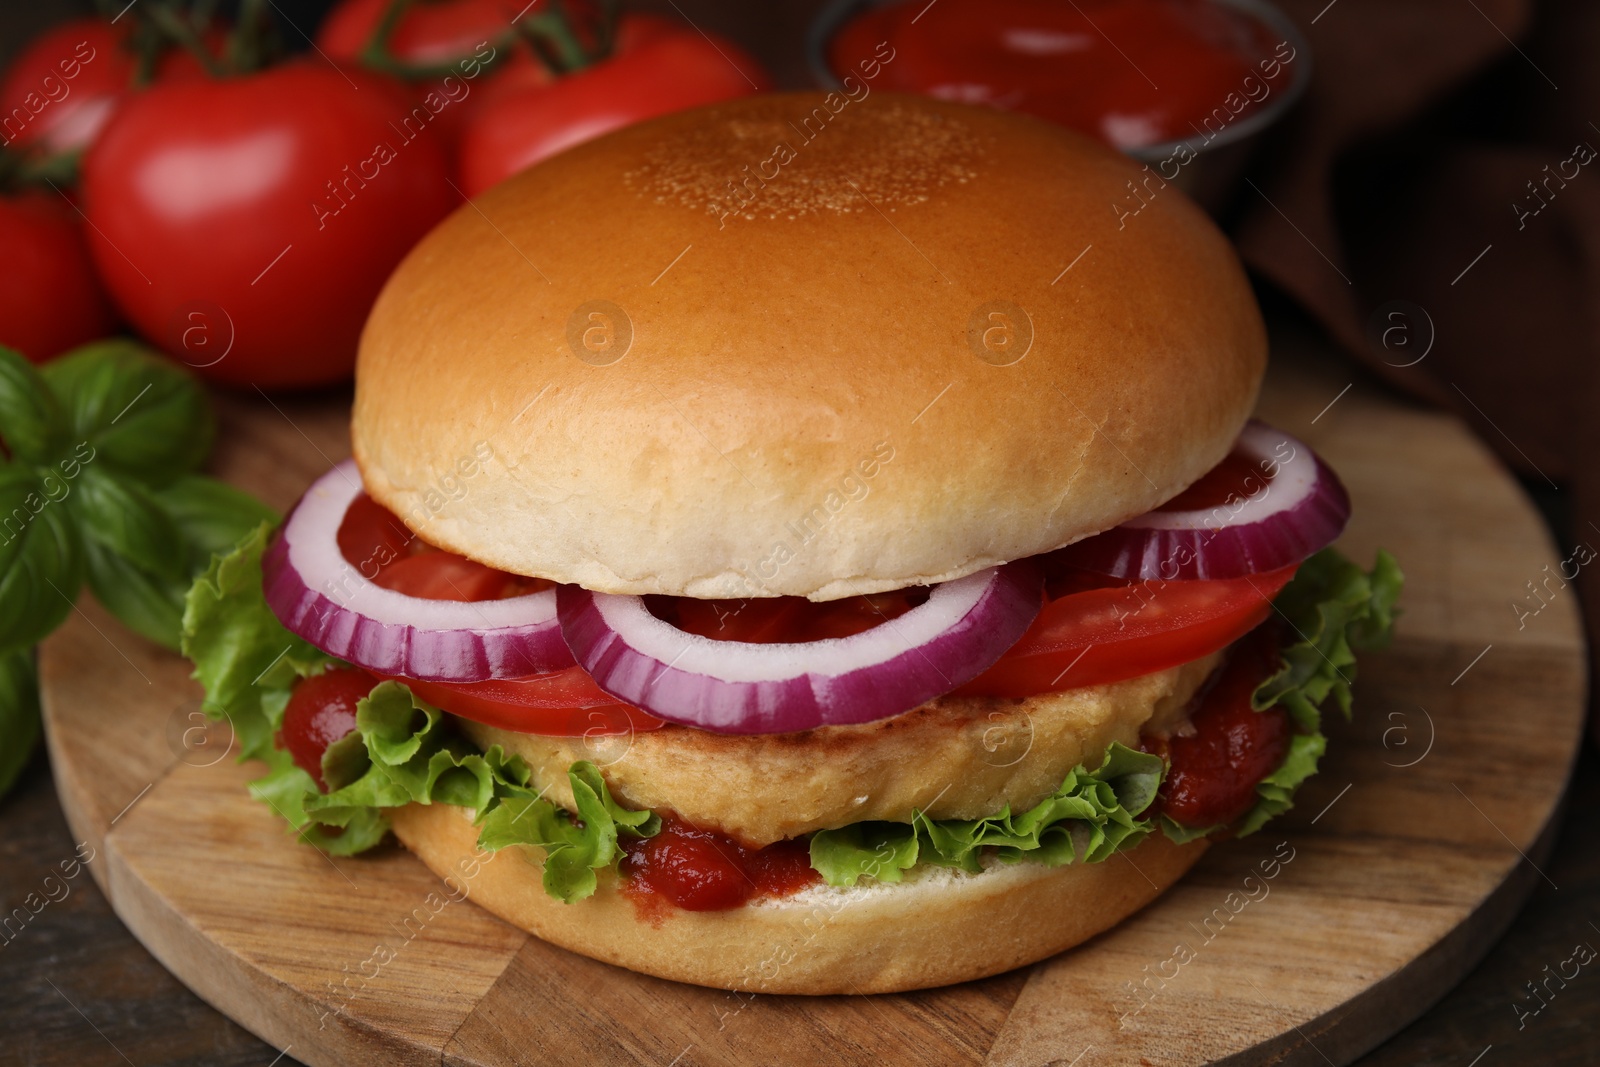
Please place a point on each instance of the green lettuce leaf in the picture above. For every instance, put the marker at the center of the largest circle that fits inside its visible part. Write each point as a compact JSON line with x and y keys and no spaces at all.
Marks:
{"x":574,"y":849}
{"x":241,"y":653}
{"x":1276,"y":790}
{"x":1335,"y":609}
{"x":401,"y":752}
{"x":1090,"y":818}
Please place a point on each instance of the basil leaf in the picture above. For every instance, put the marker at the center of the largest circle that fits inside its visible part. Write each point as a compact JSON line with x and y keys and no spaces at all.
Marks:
{"x":144,"y":414}
{"x":211,"y":516}
{"x":41,"y":558}
{"x":19,"y":714}
{"x":147,"y":603}
{"x":31,"y":421}
{"x":144,"y":547}
{"x":120,"y":517}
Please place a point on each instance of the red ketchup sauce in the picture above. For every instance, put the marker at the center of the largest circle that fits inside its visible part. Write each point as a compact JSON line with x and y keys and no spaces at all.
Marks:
{"x":698,"y":870}
{"x":1213,"y":772}
{"x":1128,"y":72}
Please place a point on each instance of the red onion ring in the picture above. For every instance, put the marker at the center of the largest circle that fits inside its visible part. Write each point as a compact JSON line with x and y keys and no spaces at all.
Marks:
{"x":1300,"y":508}
{"x":735,"y":687}
{"x":317,"y":594}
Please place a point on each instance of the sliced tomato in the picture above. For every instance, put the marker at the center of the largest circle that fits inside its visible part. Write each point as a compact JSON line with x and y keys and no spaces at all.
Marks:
{"x":766,"y":620}
{"x":1107,"y":634}
{"x":443,"y":576}
{"x":371,"y":537}
{"x":560,"y":704}
{"x":322,"y":710}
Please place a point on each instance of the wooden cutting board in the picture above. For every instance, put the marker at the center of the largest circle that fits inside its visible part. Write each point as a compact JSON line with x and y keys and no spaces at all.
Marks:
{"x":1405,"y":859}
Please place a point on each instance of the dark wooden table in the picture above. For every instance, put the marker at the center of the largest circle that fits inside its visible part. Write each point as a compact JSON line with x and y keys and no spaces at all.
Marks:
{"x":77,"y":989}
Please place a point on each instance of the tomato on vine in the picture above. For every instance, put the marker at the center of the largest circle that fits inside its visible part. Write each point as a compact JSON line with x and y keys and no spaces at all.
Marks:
{"x":670,"y":72}
{"x":61,"y":89}
{"x":246,"y":224}
{"x":51,"y":301}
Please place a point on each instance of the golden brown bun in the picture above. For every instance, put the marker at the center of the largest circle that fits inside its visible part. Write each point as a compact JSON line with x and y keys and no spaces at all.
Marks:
{"x":954,"y":758}
{"x":939,"y":926}
{"x":809,"y":400}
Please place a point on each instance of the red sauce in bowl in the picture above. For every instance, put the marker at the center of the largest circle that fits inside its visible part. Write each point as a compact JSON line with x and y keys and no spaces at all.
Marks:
{"x":1131,"y":73}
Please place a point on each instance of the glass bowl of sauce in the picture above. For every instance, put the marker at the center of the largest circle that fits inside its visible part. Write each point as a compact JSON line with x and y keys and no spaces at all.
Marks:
{"x":1185,"y":87}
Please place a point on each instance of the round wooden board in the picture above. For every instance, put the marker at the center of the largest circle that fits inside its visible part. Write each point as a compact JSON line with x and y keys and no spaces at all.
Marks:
{"x":1406,"y":857}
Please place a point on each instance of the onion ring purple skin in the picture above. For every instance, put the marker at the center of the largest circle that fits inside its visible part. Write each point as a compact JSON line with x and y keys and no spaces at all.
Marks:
{"x":1301,"y":509}
{"x":736,"y":687}
{"x":317,"y":594}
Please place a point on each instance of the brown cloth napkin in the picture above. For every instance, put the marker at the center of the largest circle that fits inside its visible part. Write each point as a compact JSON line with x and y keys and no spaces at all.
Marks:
{"x":1447,"y":156}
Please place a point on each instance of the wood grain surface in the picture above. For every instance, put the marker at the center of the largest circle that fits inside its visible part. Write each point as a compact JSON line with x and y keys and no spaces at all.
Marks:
{"x":1410,"y":852}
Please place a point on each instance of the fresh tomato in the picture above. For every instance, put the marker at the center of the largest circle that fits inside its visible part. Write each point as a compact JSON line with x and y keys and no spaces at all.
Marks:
{"x":322,"y":710}
{"x":431,"y":34}
{"x":444,"y":576}
{"x":371,"y":537}
{"x":1094,"y":636}
{"x":247,"y":224}
{"x":443,"y":33}
{"x":521,"y":69}
{"x":664,"y":74}
{"x":560,"y":704}
{"x":765,"y":620}
{"x":58,"y":93}
{"x":51,"y":300}
{"x":454,"y":42}
{"x":444,"y":47}
{"x":60,"y":90}
{"x":1214,"y":771}
{"x":563,"y":703}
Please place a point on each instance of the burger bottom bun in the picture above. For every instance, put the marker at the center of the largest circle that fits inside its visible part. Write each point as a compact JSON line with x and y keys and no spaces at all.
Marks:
{"x":937,"y":927}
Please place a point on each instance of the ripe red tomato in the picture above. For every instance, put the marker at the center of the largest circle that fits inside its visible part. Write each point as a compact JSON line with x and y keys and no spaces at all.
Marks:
{"x":523,"y":70}
{"x":426,"y":34}
{"x":371,"y":537}
{"x":560,"y":704}
{"x":463,"y":35}
{"x":766,"y":620}
{"x":443,"y":576}
{"x":662,"y":75}
{"x":321,"y":710}
{"x":247,"y":224}
{"x":1111,"y":633}
{"x":51,"y":300}
{"x":60,"y":90}
{"x":58,"y":93}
